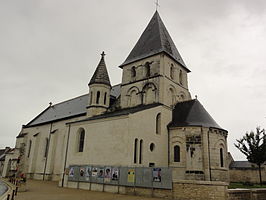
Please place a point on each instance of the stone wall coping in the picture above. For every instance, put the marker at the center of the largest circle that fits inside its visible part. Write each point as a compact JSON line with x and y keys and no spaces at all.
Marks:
{"x":200,"y":182}
{"x":244,"y":190}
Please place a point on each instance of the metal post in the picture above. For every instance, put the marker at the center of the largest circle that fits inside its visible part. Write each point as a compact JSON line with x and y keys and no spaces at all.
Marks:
{"x":8,"y":197}
{"x":13,"y":195}
{"x":63,"y":179}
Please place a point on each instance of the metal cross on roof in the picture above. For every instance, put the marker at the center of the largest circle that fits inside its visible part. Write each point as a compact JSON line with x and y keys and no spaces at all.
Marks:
{"x":157,"y":4}
{"x":103,"y":54}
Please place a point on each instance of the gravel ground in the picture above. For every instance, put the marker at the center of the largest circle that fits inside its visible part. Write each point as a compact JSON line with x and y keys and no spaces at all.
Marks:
{"x":47,"y":190}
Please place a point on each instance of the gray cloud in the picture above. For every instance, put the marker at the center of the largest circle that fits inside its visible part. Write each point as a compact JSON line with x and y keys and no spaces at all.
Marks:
{"x":49,"y":50}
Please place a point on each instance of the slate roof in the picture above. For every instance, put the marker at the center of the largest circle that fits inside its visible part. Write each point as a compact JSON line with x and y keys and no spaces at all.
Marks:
{"x":101,"y":75}
{"x":155,"y":39}
{"x":121,"y":112}
{"x":67,"y":109}
{"x":192,"y":113}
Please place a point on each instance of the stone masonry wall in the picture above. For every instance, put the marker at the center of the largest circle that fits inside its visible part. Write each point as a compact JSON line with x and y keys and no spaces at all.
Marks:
{"x":200,"y":190}
{"x":247,"y":175}
{"x":182,"y":190}
{"x":253,"y":194}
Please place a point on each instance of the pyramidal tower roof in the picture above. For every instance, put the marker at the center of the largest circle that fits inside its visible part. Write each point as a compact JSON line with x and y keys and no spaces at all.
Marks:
{"x":100,"y":75}
{"x":155,"y":39}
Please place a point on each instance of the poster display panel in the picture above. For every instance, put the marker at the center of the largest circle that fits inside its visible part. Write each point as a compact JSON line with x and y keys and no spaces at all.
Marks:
{"x":73,"y":174}
{"x":162,"y":178}
{"x":144,"y":177}
{"x":100,"y":175}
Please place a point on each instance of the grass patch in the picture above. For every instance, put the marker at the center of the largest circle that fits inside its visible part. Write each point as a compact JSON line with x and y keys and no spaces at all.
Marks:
{"x":245,"y":185}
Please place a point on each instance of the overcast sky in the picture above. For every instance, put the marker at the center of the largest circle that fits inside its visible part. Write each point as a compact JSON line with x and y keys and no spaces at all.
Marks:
{"x":49,"y":50}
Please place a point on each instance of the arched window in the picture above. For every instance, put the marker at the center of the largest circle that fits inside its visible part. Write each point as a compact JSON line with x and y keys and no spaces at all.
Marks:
{"x":176,"y":153}
{"x":46,"y":147}
{"x":221,"y":157}
{"x":172,"y":71}
{"x":98,"y":97}
{"x":105,"y":95}
{"x":81,"y":140}
{"x":133,"y":72}
{"x":30,"y":143}
{"x":147,"y":69}
{"x":172,"y":96}
{"x":140,"y":151}
{"x":91,"y":98}
{"x":135,"y":150}
{"x":181,"y":77}
{"x":158,"y":123}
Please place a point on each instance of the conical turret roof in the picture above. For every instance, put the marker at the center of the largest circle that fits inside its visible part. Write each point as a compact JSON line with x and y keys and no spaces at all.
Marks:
{"x":101,"y":75}
{"x":155,"y":39}
{"x":192,"y":113}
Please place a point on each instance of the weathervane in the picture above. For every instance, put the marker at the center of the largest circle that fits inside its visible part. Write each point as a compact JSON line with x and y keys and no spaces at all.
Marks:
{"x":157,"y":4}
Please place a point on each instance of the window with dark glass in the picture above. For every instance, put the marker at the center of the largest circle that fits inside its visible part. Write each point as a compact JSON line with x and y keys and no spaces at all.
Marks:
{"x":81,"y":140}
{"x":29,"y":148}
{"x":98,"y":97}
{"x":140,"y":151}
{"x":176,"y":153}
{"x":221,"y":158}
{"x":148,"y":69}
{"x":46,"y":147}
{"x":105,"y":95}
{"x":135,"y":150}
{"x":158,"y":123}
{"x":133,"y":72}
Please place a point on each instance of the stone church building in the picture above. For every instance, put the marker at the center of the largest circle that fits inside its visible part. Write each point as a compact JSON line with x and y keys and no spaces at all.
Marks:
{"x":149,"y":120}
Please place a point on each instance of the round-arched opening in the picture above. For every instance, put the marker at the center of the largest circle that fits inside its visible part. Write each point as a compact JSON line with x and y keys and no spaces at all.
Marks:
{"x":152,"y":147}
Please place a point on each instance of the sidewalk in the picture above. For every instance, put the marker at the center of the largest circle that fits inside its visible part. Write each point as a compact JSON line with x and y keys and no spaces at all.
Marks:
{"x":47,"y":190}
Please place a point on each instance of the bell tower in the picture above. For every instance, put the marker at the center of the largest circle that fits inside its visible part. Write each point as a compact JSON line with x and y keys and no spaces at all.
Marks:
{"x":99,"y":90}
{"x":154,"y":71}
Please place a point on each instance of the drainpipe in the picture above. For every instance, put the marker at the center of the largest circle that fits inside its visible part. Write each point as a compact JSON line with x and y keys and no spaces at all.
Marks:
{"x":63,"y":179}
{"x":168,"y":144}
{"x":49,"y":139}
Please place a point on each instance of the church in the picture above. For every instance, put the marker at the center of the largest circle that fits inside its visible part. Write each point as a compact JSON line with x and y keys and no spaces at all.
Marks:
{"x":146,"y":126}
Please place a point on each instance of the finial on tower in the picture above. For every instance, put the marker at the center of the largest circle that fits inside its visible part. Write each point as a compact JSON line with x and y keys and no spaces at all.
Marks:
{"x":103,"y":54}
{"x":157,"y":4}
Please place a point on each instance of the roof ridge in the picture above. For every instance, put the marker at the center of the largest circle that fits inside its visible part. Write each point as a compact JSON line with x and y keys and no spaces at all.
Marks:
{"x":159,"y":24}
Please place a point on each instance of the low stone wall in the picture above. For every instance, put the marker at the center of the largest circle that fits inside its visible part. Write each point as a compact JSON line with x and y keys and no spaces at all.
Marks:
{"x":182,"y":190}
{"x":246,"y":175}
{"x":200,"y":190}
{"x":245,"y":194}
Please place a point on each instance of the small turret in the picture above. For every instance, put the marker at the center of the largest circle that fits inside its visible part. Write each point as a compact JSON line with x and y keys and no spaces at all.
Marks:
{"x":99,"y":90}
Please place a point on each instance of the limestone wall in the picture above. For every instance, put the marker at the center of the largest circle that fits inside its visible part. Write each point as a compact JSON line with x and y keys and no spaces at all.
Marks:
{"x":246,"y":175}
{"x":199,"y":190}
{"x":199,"y":154}
{"x":166,"y":83}
{"x":110,"y":141}
{"x":182,"y":190}
{"x":244,"y":194}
